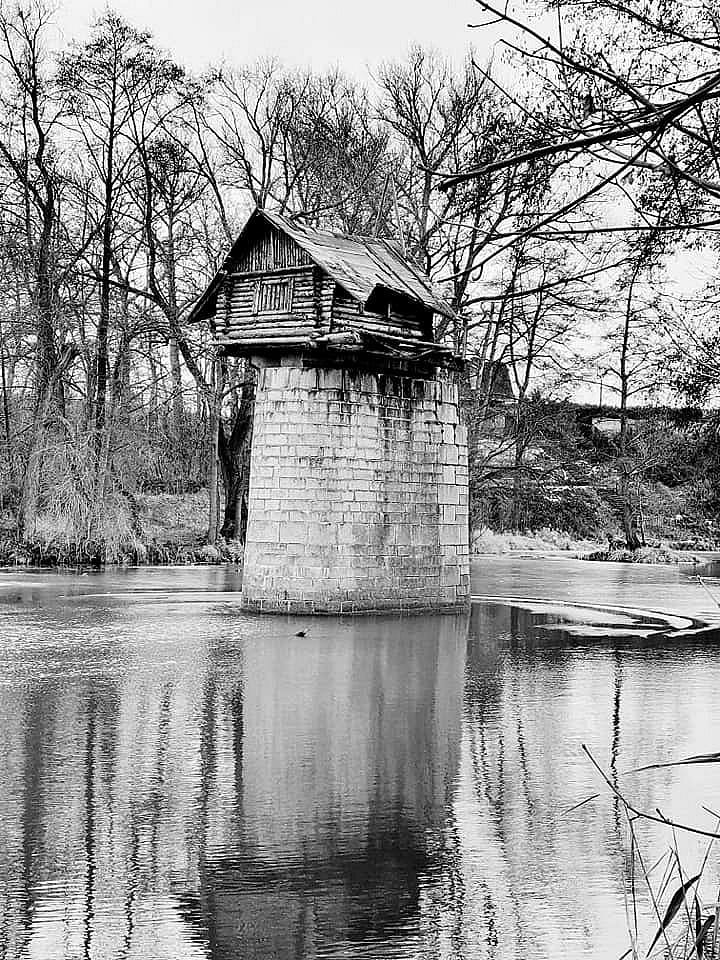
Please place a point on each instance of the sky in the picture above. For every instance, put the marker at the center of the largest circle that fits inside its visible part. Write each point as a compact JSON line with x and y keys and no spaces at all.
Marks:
{"x":317,"y":33}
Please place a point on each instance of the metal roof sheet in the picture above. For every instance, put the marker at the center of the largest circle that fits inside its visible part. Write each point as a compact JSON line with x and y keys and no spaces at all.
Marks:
{"x":361,"y":264}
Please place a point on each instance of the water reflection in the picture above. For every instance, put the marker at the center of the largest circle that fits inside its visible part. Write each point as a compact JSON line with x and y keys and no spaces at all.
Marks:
{"x":268,"y":796}
{"x":179,"y":780}
{"x":560,"y":885}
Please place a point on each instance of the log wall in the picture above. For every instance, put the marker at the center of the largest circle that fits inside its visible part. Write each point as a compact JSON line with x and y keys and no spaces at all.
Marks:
{"x":243,"y":320}
{"x":347,"y":312}
{"x":317,"y":304}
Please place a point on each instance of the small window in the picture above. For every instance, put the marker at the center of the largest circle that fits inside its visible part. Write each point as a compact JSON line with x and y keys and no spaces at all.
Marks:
{"x":274,"y":296}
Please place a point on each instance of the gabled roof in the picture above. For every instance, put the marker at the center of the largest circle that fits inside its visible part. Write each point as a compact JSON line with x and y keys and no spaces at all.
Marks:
{"x":363,"y":266}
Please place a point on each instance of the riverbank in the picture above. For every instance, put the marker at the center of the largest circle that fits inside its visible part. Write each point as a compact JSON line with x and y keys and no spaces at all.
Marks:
{"x":658,"y":554}
{"x":548,"y":542}
{"x":165,"y":528}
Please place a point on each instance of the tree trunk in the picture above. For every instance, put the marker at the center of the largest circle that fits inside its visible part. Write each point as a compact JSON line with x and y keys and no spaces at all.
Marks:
{"x":480,"y":398}
{"x":215,"y":427}
{"x":49,"y":393}
{"x":235,"y":462}
{"x":30,"y":490}
{"x":153,"y":401}
{"x":9,"y":453}
{"x":627,"y":512}
{"x":518,"y":487}
{"x":633,"y":539}
{"x":178,"y":410}
{"x":105,"y":281}
{"x":101,"y":374}
{"x":213,"y":504}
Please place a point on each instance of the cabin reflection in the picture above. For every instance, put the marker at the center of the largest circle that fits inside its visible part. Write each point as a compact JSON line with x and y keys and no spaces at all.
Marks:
{"x":350,"y":753}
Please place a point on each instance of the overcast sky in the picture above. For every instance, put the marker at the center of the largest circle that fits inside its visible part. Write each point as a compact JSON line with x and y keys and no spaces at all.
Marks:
{"x":317,"y":33}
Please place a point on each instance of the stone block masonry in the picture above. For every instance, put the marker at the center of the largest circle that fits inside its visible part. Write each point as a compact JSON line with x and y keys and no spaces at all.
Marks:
{"x":358,"y":493}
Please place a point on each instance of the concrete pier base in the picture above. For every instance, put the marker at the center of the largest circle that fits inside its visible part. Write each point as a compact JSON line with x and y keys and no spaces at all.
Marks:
{"x":358,"y":493}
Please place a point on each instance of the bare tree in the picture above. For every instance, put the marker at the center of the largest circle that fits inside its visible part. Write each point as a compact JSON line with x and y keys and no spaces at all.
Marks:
{"x":108,"y":80}
{"x":441,"y":119}
{"x":636,"y":88}
{"x":32,"y":111}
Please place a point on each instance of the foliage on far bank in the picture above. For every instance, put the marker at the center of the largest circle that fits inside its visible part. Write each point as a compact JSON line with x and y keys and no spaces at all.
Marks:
{"x":569,"y":475}
{"x":647,"y":554}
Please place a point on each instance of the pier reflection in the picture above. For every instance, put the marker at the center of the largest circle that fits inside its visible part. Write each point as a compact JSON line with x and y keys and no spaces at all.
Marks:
{"x":350,"y":748}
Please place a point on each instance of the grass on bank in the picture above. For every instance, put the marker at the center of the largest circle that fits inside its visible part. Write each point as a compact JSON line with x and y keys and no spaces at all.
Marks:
{"x":686,"y":922}
{"x":144,"y":529}
{"x":487,"y":542}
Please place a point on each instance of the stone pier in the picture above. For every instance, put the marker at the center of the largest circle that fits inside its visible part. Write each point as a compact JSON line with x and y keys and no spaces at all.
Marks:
{"x":358,"y":492}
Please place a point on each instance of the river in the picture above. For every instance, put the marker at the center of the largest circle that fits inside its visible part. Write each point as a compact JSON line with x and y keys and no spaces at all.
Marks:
{"x":181,"y":780}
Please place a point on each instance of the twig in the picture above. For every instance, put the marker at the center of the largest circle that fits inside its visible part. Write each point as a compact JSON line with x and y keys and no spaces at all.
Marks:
{"x":702,"y":584}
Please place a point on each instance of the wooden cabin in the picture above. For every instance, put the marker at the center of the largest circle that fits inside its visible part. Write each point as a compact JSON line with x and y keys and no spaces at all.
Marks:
{"x":285,"y":286}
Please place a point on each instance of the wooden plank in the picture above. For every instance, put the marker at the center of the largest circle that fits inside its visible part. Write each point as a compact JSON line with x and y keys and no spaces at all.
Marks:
{"x":410,"y":342}
{"x":317,"y":279}
{"x":253,"y":334}
{"x":327,"y":290}
{"x":280,"y":342}
{"x":382,"y":328}
{"x":270,"y":249}
{"x":267,"y":320}
{"x":225,"y":291}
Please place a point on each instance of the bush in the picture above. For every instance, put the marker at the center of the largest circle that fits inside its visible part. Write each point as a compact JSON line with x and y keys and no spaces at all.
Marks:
{"x":579,"y":511}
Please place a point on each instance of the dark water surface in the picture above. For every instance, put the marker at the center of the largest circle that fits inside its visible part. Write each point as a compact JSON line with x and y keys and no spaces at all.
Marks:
{"x":181,"y":780}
